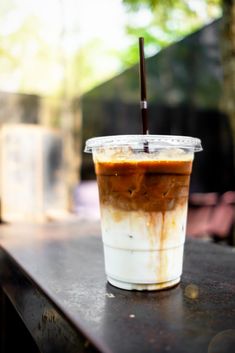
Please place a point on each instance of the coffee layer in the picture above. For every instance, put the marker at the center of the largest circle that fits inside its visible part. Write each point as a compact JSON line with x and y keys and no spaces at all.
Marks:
{"x":151,"y":186}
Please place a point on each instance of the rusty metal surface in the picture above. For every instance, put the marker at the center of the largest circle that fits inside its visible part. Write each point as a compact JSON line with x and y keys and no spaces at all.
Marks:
{"x":54,"y":276}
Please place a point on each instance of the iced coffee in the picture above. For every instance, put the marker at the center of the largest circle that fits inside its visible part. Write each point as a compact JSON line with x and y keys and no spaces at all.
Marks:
{"x":143,"y":203}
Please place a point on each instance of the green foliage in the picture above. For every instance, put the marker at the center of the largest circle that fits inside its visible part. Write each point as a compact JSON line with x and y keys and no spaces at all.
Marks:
{"x":42,"y":54}
{"x":35,"y":51}
{"x":152,"y":4}
{"x":167,"y":22}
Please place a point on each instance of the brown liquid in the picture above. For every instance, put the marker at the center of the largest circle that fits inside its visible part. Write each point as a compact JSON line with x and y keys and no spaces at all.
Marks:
{"x":151,"y":186}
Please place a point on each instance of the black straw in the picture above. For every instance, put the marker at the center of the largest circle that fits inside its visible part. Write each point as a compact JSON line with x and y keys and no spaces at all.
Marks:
{"x":143,"y":93}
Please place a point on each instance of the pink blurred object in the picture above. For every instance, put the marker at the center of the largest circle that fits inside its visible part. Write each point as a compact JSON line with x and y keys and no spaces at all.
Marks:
{"x":208,"y":199}
{"x":198,"y":221}
{"x":211,"y":214}
{"x":221,"y":220}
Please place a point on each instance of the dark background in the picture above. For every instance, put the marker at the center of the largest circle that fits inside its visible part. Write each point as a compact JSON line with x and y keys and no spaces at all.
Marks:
{"x":184,"y":85}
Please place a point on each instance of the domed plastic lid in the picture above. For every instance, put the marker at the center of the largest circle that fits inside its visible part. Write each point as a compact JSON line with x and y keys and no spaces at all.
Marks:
{"x":137,"y":142}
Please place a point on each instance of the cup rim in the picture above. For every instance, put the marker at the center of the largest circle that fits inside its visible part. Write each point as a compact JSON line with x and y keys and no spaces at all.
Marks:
{"x":137,"y":142}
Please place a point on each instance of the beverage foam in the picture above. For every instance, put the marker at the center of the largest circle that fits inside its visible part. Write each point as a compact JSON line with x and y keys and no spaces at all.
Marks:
{"x":127,"y":154}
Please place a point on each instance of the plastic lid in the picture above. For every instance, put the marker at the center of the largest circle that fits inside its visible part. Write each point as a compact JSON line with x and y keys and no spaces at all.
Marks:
{"x":136,"y":142}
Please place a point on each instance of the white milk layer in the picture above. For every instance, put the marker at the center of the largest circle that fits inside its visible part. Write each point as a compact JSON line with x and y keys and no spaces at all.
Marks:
{"x":143,"y":247}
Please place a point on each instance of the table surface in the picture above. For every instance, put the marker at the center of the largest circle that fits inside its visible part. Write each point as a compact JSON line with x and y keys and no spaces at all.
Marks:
{"x":65,"y":261}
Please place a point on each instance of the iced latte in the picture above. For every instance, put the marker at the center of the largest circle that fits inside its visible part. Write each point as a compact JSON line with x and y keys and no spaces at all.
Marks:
{"x":143,"y":203}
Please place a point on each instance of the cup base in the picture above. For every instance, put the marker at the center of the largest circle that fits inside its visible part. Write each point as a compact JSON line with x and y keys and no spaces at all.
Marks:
{"x":143,"y":286}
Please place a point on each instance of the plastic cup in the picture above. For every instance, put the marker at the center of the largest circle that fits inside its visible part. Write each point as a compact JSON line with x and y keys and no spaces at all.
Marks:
{"x":143,"y":196}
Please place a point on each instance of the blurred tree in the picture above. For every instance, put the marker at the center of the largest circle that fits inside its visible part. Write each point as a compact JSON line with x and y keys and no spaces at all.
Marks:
{"x":27,"y":57}
{"x":168,"y":20}
{"x":47,"y":54}
{"x":162,"y":22}
{"x":228,"y":56}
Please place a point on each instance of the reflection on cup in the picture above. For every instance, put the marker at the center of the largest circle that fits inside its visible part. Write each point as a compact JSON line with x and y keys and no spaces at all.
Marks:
{"x":143,"y":203}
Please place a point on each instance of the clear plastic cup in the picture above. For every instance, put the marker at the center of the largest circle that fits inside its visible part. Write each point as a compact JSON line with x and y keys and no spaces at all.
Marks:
{"x":143,"y":185}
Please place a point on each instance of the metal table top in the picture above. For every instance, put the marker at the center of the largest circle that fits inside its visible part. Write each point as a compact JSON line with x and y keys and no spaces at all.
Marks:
{"x":54,"y":276}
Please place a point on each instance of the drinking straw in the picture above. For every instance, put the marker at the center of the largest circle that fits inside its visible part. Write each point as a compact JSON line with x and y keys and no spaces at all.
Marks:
{"x":143,"y":94}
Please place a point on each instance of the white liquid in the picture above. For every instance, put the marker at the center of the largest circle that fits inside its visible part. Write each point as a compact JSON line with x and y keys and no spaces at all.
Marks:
{"x":143,"y":250}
